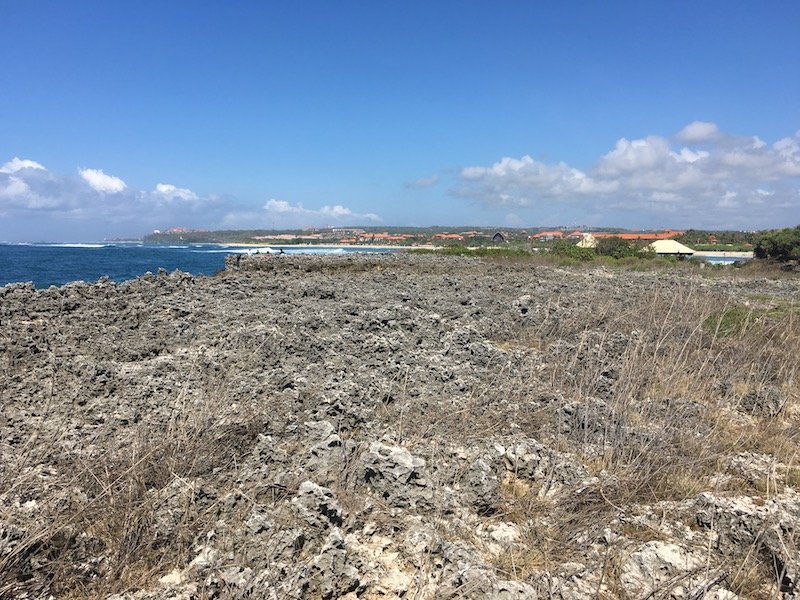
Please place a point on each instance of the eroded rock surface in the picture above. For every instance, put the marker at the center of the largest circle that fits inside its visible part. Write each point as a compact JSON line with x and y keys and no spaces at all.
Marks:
{"x":384,"y":427}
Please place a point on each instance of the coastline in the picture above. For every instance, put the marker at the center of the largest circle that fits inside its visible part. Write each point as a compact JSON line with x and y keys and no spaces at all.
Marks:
{"x":329,"y":246}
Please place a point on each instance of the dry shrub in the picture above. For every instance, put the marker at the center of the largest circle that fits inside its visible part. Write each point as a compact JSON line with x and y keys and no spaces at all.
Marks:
{"x":99,"y":528}
{"x":681,"y":377}
{"x":670,"y":385}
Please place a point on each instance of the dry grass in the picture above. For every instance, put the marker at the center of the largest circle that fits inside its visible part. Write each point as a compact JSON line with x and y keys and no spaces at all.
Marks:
{"x":686,"y":379}
{"x":666,"y":385}
{"x":106,"y":502}
{"x":671,"y":385}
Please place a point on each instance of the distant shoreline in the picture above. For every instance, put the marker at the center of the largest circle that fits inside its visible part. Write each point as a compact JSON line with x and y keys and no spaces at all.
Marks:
{"x":328,"y":246}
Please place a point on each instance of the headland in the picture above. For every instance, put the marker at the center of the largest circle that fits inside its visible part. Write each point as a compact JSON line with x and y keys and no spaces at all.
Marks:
{"x":363,"y":426}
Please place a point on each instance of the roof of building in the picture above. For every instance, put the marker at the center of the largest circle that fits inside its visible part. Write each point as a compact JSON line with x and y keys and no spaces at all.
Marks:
{"x":641,"y":235}
{"x":669,"y":247}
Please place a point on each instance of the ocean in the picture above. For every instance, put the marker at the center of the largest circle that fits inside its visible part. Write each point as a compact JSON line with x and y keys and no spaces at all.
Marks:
{"x":58,"y":264}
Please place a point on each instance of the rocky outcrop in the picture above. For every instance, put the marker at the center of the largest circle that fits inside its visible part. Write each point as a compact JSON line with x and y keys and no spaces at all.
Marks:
{"x":387,"y":427}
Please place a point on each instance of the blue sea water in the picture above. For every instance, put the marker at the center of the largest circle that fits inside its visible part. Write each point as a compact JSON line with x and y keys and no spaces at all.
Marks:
{"x":57,"y":264}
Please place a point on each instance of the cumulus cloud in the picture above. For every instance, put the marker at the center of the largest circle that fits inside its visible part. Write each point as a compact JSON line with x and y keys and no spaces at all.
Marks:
{"x":91,"y":200}
{"x":297,"y":214}
{"x":169,"y":192}
{"x":100,"y":182}
{"x":518,"y":182}
{"x":337,"y":212}
{"x":17,"y":164}
{"x":13,"y":187}
{"x":690,"y":156}
{"x":705,"y":184}
{"x":283,"y":207}
{"x":698,"y":131}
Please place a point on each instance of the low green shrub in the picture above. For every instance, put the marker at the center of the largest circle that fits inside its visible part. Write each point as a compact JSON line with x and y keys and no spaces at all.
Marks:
{"x":568,"y":250}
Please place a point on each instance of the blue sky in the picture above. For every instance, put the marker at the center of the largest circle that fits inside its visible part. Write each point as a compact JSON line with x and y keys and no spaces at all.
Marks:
{"x":118,"y":118}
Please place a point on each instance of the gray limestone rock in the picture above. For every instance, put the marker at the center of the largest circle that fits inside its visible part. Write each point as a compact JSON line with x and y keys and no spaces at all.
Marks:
{"x":317,"y":506}
{"x":396,"y":475}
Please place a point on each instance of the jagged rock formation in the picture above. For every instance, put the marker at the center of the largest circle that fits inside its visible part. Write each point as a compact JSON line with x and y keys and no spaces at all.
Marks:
{"x":398,"y":427}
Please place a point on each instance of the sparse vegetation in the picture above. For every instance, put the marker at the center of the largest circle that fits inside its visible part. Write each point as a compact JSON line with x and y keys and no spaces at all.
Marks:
{"x":506,"y":251}
{"x":545,"y":417}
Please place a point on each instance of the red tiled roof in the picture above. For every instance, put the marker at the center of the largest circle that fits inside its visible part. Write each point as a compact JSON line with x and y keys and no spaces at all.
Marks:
{"x":641,"y":235}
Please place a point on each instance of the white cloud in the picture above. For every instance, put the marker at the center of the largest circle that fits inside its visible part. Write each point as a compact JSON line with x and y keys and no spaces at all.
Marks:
{"x":304,"y":216}
{"x":520,"y":182}
{"x":16,"y":164}
{"x":698,"y":131}
{"x":90,"y":200}
{"x":689,"y":156}
{"x":788,"y":148}
{"x":705,"y":185}
{"x":33,"y":188}
{"x":169,"y":191}
{"x":337,"y":212}
{"x":282,"y":207}
{"x":629,"y":156}
{"x":101,"y":182}
{"x":13,"y":187}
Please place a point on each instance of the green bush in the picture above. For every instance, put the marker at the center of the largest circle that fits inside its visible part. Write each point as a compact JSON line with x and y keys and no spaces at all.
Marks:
{"x":616,"y":247}
{"x":570,"y":250}
{"x":780,"y":244}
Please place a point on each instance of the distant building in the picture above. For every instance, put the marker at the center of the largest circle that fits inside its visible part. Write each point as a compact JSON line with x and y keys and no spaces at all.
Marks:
{"x":499,"y":238}
{"x":587,"y":241}
{"x":670,"y":248}
{"x":448,"y":236}
{"x":385,"y":237}
{"x":667,"y":234}
{"x":546,"y":236}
